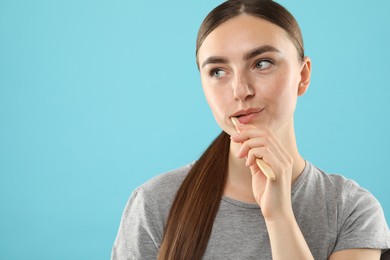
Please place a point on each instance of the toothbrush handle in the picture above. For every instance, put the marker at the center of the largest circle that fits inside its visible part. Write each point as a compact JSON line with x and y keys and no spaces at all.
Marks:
{"x":266,"y":169}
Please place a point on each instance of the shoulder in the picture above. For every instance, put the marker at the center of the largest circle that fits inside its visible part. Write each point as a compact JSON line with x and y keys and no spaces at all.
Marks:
{"x":359,"y":217}
{"x":338,"y":189}
{"x":334,"y":184}
{"x":143,"y":219}
{"x":156,"y":196}
{"x":164,"y":185}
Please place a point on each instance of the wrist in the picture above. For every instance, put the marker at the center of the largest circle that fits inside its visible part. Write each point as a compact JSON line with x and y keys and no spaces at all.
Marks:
{"x":280,"y":219}
{"x":286,"y":238}
{"x":281,"y":213}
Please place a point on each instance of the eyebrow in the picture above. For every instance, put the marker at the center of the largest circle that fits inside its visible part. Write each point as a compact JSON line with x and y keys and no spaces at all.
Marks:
{"x":260,"y":50}
{"x":247,"y":56}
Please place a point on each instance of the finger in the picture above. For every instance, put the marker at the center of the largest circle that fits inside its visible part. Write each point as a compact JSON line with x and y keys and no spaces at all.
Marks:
{"x":250,"y":144}
{"x":260,"y":142}
{"x":268,"y":157}
{"x":257,"y":173}
{"x":264,"y":174}
{"x":263,"y":153}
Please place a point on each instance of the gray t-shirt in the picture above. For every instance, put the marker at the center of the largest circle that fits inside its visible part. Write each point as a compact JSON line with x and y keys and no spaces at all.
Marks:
{"x":333,"y":213}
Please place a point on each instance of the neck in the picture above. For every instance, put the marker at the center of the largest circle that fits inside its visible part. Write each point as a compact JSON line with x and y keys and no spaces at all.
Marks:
{"x":239,"y":181}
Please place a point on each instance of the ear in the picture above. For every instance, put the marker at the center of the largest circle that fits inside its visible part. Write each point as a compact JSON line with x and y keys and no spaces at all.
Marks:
{"x":305,"y":76}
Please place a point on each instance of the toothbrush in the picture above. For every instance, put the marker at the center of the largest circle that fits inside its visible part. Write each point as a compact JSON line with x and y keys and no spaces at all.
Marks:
{"x":265,"y":168}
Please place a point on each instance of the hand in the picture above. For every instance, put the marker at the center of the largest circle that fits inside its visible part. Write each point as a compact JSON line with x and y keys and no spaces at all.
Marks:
{"x":274,"y":197}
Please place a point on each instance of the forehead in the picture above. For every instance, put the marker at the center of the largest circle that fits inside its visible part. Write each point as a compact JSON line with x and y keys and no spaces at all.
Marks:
{"x":244,"y":33}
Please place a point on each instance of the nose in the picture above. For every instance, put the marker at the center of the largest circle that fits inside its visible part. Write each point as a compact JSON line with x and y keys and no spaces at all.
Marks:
{"x":242,"y":88}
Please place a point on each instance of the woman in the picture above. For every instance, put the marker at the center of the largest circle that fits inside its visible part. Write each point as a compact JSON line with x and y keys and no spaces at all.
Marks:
{"x":252,"y":66}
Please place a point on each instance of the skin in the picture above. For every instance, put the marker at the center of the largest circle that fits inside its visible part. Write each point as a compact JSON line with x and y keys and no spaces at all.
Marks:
{"x":250,"y":63}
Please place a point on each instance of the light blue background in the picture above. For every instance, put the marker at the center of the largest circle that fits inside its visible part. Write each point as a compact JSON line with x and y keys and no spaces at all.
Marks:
{"x":96,"y":97}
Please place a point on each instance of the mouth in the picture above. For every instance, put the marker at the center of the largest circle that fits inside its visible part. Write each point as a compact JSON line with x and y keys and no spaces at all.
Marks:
{"x":246,"y":116}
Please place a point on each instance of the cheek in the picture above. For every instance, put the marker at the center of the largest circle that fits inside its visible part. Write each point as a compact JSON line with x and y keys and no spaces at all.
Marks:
{"x":207,"y":93}
{"x":287,"y":93}
{"x":282,"y":93}
{"x":217,"y":102}
{"x":285,"y":83}
{"x":214,"y":100}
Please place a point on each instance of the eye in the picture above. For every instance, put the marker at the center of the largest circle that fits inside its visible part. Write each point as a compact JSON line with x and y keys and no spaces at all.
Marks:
{"x":263,"y":64}
{"x":217,"y":73}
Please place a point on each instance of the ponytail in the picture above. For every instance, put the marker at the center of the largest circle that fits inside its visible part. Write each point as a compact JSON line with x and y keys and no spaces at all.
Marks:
{"x":196,"y":204}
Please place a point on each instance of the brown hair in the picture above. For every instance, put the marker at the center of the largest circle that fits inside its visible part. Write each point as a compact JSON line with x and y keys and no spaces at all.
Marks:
{"x":196,"y":204}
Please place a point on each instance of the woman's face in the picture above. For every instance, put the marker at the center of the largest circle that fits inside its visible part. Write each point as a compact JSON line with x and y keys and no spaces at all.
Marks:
{"x":250,"y":69}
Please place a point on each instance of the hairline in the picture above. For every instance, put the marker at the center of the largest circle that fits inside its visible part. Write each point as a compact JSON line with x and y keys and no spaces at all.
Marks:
{"x":240,"y":13}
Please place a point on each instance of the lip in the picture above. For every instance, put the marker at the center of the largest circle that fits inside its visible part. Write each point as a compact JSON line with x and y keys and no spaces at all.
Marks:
{"x":247,"y":115}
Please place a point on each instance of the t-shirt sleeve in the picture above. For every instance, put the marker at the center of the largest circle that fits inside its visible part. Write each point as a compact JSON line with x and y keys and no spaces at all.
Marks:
{"x":136,"y":238}
{"x":362,"y":223}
